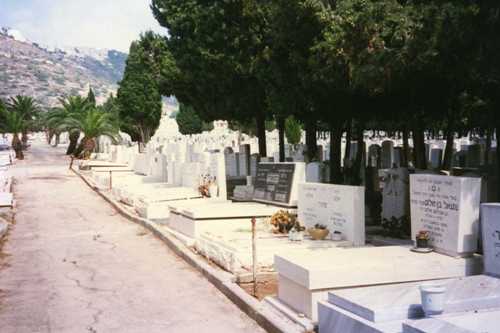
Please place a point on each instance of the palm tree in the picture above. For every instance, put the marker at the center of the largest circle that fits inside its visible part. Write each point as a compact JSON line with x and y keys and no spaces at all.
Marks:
{"x":93,"y":123}
{"x":71,"y":106}
{"x":14,"y":123}
{"x":26,"y":108}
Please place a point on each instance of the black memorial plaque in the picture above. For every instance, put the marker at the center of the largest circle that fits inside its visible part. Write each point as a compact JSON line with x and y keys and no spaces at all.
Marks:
{"x":273,"y":183}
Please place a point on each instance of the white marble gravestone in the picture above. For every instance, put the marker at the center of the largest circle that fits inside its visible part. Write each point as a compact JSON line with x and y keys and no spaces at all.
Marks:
{"x":339,"y":207}
{"x":447,"y":207}
{"x":313,"y":172}
{"x":390,"y":308}
{"x":395,"y":201}
{"x":490,"y":224}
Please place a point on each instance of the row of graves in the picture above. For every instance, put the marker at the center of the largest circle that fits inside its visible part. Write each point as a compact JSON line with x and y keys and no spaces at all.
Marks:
{"x":452,"y":290}
{"x":7,"y":158}
{"x":341,"y":283}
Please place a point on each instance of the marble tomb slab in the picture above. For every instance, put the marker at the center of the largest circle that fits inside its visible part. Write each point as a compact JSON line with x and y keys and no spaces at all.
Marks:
{"x":305,"y":278}
{"x":402,"y":301}
{"x":178,"y":206}
{"x":194,"y":221}
{"x":229,"y":210}
{"x":480,"y":322}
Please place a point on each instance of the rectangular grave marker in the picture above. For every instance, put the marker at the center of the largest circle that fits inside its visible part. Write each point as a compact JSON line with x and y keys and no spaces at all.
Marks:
{"x":339,"y":207}
{"x":447,"y":207}
{"x":277,"y":183}
{"x":490,"y":224}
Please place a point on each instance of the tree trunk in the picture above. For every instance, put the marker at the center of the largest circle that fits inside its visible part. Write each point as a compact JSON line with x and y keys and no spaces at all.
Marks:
{"x":24,"y":139}
{"x":358,"y":166}
{"x":336,"y":154}
{"x":406,"y":148}
{"x":49,"y":134}
{"x":17,"y":145}
{"x":79,"y":149}
{"x":311,"y":141}
{"x":281,"y":136}
{"x":73,"y":142}
{"x":261,"y":133}
{"x":348,"y":139}
{"x":489,"y":134}
{"x":88,"y":147}
{"x":448,"y":152}
{"x":419,"y":145}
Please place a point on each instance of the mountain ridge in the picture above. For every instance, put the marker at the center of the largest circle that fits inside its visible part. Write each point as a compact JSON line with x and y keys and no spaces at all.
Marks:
{"x":49,"y":73}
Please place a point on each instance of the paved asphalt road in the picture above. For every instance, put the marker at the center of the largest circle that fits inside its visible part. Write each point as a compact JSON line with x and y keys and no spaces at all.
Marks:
{"x":72,"y":264}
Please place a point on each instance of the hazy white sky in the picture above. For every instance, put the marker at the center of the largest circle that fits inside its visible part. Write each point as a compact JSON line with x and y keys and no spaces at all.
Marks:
{"x":109,"y":24}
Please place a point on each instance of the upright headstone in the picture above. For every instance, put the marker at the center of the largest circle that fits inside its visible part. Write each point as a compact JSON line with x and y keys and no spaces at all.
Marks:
{"x":339,"y":207}
{"x":218,"y":170}
{"x":313,"y":172}
{"x":244,"y":160}
{"x":436,"y":158}
{"x":447,"y":207}
{"x":490,"y":224}
{"x":231,"y":165}
{"x":398,"y":155}
{"x":254,"y":162}
{"x":395,"y":201}
{"x":277,"y":183}
{"x":387,"y":158}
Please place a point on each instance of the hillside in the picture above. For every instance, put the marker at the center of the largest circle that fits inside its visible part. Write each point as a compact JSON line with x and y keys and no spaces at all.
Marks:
{"x":29,"y":69}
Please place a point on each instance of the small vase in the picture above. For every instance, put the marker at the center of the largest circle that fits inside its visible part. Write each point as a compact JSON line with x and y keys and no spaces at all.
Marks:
{"x":213,"y":190}
{"x":295,"y":236}
{"x":432,"y":297}
{"x":318,"y":234}
{"x":422,"y":243}
{"x":336,"y":236}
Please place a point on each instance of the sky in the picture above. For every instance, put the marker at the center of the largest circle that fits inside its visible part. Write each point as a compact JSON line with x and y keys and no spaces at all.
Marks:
{"x":111,"y":24}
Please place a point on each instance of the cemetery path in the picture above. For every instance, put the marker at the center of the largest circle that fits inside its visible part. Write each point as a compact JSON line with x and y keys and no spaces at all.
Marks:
{"x":72,"y":264}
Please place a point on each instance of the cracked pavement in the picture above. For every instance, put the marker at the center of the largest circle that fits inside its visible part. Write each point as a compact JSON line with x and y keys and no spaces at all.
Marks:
{"x":72,"y":264}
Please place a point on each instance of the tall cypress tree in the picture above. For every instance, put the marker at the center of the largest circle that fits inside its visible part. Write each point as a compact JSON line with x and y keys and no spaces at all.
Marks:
{"x":139,"y":97}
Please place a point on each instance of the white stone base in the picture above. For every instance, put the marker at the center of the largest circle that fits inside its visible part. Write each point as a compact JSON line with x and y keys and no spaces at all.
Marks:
{"x":195,"y":228}
{"x":308,"y":275}
{"x":396,"y":308}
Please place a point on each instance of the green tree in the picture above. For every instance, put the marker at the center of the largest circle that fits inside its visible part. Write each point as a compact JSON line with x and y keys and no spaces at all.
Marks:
{"x":93,"y":123}
{"x":139,"y":97}
{"x":91,"y":97}
{"x":14,"y":123}
{"x":27,"y":108}
{"x":188,"y":120}
{"x":70,"y":107}
{"x":293,"y":130}
{"x":214,"y":46}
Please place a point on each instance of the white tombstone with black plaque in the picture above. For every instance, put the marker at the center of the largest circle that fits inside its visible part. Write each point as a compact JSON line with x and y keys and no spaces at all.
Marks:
{"x":490,"y":224}
{"x":339,"y":207}
{"x":447,"y":207}
{"x":277,"y":183}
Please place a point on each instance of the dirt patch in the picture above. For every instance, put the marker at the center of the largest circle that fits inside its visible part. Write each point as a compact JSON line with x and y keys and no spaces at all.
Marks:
{"x":267,"y":287}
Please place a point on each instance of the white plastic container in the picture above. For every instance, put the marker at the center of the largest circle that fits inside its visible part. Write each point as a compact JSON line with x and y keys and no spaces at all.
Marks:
{"x":432,"y":296}
{"x":336,"y":236}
